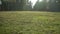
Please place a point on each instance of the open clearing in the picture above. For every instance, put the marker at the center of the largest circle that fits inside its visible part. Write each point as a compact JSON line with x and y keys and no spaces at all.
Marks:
{"x":29,"y":22}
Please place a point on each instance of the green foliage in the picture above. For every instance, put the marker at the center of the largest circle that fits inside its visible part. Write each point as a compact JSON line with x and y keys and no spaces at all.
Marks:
{"x":40,"y":5}
{"x":14,"y":5}
{"x":29,"y":22}
{"x":27,"y":6}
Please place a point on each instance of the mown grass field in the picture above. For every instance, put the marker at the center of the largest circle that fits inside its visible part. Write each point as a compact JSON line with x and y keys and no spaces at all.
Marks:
{"x":29,"y":22}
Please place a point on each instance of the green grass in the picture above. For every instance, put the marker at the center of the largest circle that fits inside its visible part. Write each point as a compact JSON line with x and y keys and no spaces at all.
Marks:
{"x":29,"y":22}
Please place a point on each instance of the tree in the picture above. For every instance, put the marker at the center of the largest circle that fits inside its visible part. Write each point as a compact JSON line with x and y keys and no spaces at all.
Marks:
{"x":40,"y":5}
{"x":54,"y":5}
{"x":58,"y":5}
{"x":13,"y":4}
{"x":28,"y":5}
{"x":0,"y":4}
{"x":36,"y":6}
{"x":4,"y":6}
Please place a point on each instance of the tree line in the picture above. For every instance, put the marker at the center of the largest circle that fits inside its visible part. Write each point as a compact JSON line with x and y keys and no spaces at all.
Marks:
{"x":20,"y":5}
{"x":14,"y":5}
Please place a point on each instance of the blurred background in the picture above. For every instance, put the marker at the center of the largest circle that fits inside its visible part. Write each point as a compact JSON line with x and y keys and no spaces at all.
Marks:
{"x":29,"y":5}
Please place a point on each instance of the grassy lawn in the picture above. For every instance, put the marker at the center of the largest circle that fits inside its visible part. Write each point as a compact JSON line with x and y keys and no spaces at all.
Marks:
{"x":29,"y":22}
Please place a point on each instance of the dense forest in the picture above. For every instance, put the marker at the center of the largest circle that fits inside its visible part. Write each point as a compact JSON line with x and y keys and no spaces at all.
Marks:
{"x":26,"y":5}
